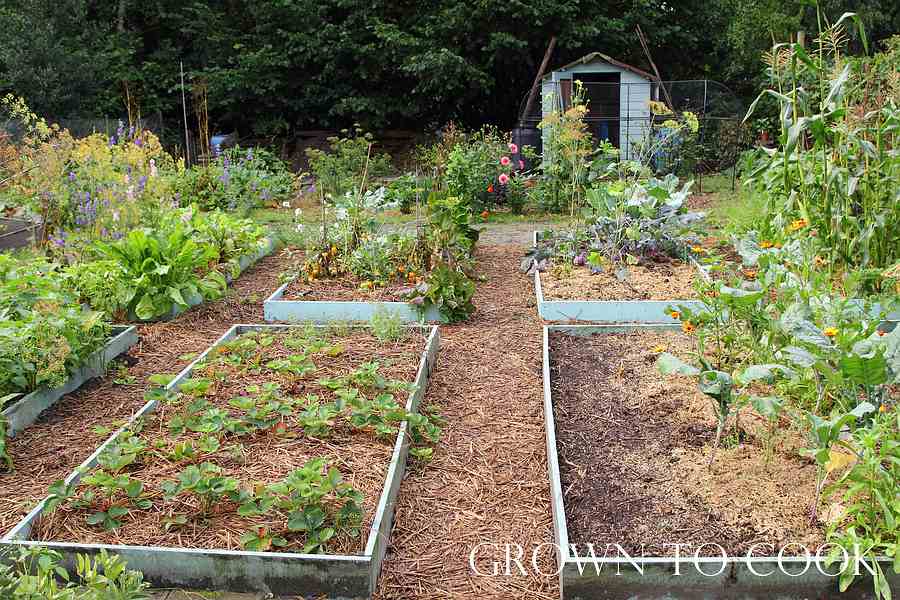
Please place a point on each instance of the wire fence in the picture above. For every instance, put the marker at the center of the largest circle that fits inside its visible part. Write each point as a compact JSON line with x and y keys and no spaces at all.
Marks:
{"x":620,"y":113}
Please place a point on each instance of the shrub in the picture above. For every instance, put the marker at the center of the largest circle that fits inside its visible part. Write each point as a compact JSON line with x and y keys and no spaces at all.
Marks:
{"x":349,"y":164}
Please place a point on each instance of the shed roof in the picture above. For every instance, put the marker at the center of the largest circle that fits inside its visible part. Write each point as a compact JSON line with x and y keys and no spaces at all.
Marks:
{"x":600,"y":57}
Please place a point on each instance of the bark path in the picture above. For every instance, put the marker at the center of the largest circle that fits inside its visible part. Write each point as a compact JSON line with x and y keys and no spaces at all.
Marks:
{"x":487,"y":483}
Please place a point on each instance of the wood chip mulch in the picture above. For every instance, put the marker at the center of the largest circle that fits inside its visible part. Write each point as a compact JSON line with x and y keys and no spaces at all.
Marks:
{"x":488,"y":480}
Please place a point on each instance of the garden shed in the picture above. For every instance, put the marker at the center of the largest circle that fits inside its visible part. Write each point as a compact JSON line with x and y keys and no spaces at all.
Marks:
{"x":618,"y":97}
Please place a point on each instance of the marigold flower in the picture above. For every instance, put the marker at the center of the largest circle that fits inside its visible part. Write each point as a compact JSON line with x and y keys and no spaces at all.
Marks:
{"x":675,"y":314}
{"x":750,"y":274}
{"x":882,"y":408}
{"x":820,"y":262}
{"x":830,"y":331}
{"x":503,"y":179}
{"x":513,"y":148}
{"x":798,"y":224}
{"x":698,"y":249}
{"x":504,"y":161}
{"x":688,"y":327}
{"x":765,"y":244}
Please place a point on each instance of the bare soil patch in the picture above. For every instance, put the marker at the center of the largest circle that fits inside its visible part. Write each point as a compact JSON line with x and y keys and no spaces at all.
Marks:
{"x":345,"y":288}
{"x":634,"y":445}
{"x":672,"y":280}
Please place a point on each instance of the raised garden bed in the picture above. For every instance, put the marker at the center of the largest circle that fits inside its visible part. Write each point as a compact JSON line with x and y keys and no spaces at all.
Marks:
{"x":294,"y":307}
{"x":16,"y":233}
{"x":244,"y":263}
{"x":176,"y":543}
{"x":26,"y":410}
{"x":632,"y":304}
{"x":628,"y":474}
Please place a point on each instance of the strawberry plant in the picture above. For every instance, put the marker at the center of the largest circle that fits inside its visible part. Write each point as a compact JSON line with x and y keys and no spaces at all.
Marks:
{"x":205,"y":482}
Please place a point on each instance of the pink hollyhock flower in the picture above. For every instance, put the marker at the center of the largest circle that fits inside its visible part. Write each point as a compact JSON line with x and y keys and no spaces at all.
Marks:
{"x":503,"y":179}
{"x":521,"y":164}
{"x":513,"y":148}
{"x":504,"y":161}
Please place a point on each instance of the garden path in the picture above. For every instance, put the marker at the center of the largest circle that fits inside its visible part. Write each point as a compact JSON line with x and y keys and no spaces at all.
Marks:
{"x":488,"y":480}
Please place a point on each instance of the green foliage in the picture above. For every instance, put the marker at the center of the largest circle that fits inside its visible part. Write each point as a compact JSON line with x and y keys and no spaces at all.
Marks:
{"x":44,"y":333}
{"x":449,"y":290}
{"x":349,"y":165}
{"x":387,"y":325}
{"x":403,"y":192}
{"x":473,"y":167}
{"x":205,"y":482}
{"x":35,"y":573}
{"x":237,"y":180}
{"x":835,"y":169}
{"x":162,"y":266}
{"x":103,"y":283}
{"x":869,"y":489}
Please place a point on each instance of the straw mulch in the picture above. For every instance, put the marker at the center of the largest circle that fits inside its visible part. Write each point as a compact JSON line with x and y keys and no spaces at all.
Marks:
{"x":488,"y":481}
{"x":65,"y":435}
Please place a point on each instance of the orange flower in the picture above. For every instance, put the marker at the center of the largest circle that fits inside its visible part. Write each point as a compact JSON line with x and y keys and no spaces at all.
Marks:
{"x":798,"y":224}
{"x":411,"y":276}
{"x":778,"y":245}
{"x":881,"y":333}
{"x":675,"y":314}
{"x":830,"y":331}
{"x":765,"y":244}
{"x":688,"y":327}
{"x":485,"y":214}
{"x":750,"y":274}
{"x":882,"y":408}
{"x":491,"y":189}
{"x":698,"y":249}
{"x":820,"y":262}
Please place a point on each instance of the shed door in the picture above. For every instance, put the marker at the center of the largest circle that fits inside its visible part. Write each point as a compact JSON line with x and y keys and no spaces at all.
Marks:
{"x":603,"y":91}
{"x":565,"y":90}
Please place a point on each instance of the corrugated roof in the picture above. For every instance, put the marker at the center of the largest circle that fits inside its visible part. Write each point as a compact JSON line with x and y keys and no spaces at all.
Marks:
{"x":599,"y":56}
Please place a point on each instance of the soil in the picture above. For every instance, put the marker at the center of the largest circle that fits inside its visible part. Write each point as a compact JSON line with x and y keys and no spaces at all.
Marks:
{"x":634,"y":448}
{"x":345,"y":288}
{"x":656,"y":281}
{"x":265,"y":457}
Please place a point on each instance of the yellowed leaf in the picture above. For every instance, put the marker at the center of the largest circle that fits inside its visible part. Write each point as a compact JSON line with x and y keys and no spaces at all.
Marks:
{"x":838,"y":460}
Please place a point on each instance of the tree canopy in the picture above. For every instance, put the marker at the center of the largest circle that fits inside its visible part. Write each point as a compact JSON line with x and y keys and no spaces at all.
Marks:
{"x":276,"y":66}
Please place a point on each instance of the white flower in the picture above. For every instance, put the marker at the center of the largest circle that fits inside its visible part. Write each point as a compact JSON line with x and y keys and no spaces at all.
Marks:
{"x":153,"y":170}
{"x":299,"y":226}
{"x":297,"y":213}
{"x":286,"y":204}
{"x":129,"y":193}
